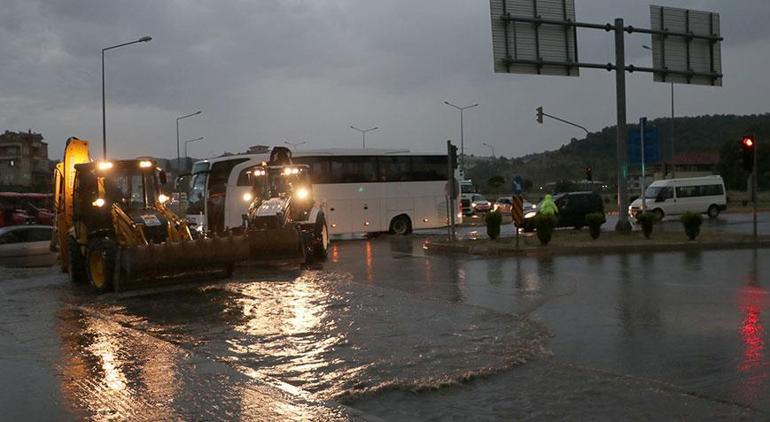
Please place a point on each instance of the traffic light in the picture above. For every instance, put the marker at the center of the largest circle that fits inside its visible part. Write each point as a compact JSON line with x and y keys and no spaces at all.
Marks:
{"x":540,"y":115}
{"x":748,"y":146}
{"x":452,"y":151}
{"x":589,"y":174}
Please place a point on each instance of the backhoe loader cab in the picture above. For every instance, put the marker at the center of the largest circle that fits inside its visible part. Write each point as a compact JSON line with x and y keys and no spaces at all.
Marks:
{"x":132,"y":186}
{"x":283,"y":220}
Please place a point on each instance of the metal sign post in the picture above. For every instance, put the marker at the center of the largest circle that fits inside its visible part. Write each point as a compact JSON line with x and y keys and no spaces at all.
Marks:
{"x":540,"y":37}
{"x":452,"y":188}
{"x":642,"y":123}
{"x":754,"y":186}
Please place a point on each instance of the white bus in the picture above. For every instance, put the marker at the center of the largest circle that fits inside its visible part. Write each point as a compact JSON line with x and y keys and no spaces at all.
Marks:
{"x":360,"y":191}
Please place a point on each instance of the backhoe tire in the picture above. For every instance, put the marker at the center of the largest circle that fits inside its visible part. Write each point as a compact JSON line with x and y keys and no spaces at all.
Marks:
{"x":76,"y":263}
{"x":320,"y":239}
{"x":100,"y":263}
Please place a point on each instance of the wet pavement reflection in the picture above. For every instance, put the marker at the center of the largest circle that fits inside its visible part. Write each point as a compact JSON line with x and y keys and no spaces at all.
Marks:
{"x":390,"y":331}
{"x":694,"y":320}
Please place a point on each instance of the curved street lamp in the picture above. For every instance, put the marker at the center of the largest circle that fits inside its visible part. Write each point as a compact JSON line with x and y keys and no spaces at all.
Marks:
{"x":363,"y":133}
{"x":187,"y":142}
{"x":178,"y":165}
{"x":145,"y":38}
{"x":462,"y":132}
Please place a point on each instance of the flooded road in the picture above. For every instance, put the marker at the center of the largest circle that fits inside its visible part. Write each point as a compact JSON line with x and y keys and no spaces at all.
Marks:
{"x":382,"y":330}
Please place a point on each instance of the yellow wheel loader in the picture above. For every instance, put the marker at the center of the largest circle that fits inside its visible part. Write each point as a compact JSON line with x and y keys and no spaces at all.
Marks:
{"x":114,"y":230}
{"x":283,"y":221}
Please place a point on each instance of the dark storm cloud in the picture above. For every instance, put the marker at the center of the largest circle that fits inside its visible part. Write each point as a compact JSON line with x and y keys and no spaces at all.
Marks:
{"x":269,"y":70}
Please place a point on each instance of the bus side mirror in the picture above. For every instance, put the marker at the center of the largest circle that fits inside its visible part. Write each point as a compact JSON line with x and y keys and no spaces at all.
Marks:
{"x":162,"y":177}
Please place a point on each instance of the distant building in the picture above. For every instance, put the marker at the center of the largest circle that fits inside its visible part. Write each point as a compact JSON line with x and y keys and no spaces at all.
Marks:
{"x":24,"y":161}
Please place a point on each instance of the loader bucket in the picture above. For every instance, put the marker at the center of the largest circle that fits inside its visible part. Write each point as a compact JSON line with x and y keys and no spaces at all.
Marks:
{"x":276,"y":244}
{"x":147,"y":265}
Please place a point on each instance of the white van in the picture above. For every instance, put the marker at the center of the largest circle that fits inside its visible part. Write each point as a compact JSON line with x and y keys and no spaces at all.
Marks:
{"x":676,"y":196}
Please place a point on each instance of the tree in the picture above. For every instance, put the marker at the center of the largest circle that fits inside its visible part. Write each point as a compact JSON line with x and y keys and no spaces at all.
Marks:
{"x":496,"y":181}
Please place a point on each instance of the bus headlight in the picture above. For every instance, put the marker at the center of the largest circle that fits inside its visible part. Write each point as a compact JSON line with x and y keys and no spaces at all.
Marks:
{"x":162,"y":198}
{"x":302,"y":193}
{"x":98,"y":203}
{"x":247,"y":197}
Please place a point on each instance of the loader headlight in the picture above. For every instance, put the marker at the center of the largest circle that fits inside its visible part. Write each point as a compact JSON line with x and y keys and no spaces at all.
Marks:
{"x":98,"y":203}
{"x":302,"y":193}
{"x":104,"y":165}
{"x":290,"y":170}
{"x":162,"y":198}
{"x":145,"y":164}
{"x":247,"y":197}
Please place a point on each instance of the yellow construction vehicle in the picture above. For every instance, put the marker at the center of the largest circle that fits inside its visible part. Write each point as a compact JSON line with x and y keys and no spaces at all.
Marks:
{"x":114,"y":230}
{"x":283,"y":221}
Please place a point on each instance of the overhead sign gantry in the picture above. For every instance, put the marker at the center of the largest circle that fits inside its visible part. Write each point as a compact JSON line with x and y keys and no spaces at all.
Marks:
{"x":540,"y":37}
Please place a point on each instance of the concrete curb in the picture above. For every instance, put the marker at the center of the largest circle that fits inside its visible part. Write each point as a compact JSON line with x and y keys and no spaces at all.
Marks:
{"x":468,"y":247}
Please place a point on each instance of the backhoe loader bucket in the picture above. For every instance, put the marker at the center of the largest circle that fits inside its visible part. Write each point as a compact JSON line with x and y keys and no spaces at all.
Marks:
{"x":150,"y":265}
{"x":277,"y":243}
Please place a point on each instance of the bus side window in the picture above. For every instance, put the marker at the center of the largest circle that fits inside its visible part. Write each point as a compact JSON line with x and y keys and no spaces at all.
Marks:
{"x":428,"y":168}
{"x":394,"y":169}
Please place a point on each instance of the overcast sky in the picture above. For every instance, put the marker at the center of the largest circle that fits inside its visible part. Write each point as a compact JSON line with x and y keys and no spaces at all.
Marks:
{"x":264,"y":71}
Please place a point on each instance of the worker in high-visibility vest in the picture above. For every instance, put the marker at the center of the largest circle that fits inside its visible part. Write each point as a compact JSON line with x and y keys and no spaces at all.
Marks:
{"x":548,"y":207}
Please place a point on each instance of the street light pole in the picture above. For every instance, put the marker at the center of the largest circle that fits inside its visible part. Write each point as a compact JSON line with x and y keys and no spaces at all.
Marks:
{"x":462,"y":132}
{"x":294,"y":145}
{"x":187,"y":142}
{"x":363,"y":133}
{"x":492,"y":147}
{"x":104,"y":107}
{"x":178,"y":158}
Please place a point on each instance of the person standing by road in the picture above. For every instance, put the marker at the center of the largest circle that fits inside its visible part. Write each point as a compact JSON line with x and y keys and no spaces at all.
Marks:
{"x":548,"y":207}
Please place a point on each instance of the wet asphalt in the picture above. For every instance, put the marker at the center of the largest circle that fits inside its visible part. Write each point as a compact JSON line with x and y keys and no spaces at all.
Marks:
{"x":382,"y":330}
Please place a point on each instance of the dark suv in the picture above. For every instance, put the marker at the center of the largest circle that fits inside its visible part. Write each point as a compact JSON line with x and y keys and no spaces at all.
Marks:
{"x":573,"y":208}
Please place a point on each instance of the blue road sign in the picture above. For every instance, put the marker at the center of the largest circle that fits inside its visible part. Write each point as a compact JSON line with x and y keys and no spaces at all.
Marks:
{"x":651,"y":146}
{"x":518,"y":185}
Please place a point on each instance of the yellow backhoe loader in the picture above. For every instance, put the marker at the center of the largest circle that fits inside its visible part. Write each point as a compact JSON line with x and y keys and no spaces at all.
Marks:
{"x":114,"y":230}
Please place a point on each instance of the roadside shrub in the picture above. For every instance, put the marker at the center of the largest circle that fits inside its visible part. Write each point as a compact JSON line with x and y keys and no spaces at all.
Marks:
{"x":493,"y":219}
{"x":594,"y":222}
{"x":691,"y":222}
{"x":646,"y":220}
{"x":544,"y":224}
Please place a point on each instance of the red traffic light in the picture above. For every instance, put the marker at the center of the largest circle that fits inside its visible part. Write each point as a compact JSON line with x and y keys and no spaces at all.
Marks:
{"x":748,"y":142}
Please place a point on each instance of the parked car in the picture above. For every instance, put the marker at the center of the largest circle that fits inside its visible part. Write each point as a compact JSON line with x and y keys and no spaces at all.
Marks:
{"x":705,"y":195}
{"x":26,"y":246}
{"x":479,"y":204}
{"x":573,"y":208}
{"x":505,"y":203}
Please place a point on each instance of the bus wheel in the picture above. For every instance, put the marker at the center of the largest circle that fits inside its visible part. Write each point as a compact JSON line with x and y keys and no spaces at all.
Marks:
{"x":401,"y":225}
{"x":713,"y":211}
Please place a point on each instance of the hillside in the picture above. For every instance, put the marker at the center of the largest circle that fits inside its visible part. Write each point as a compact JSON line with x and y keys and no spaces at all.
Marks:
{"x":703,"y":133}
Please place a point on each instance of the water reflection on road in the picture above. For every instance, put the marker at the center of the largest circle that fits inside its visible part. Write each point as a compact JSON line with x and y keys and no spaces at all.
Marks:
{"x":696,"y":320}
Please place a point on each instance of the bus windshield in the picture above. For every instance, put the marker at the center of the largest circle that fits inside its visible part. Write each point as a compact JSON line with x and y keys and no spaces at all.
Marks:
{"x":197,"y":194}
